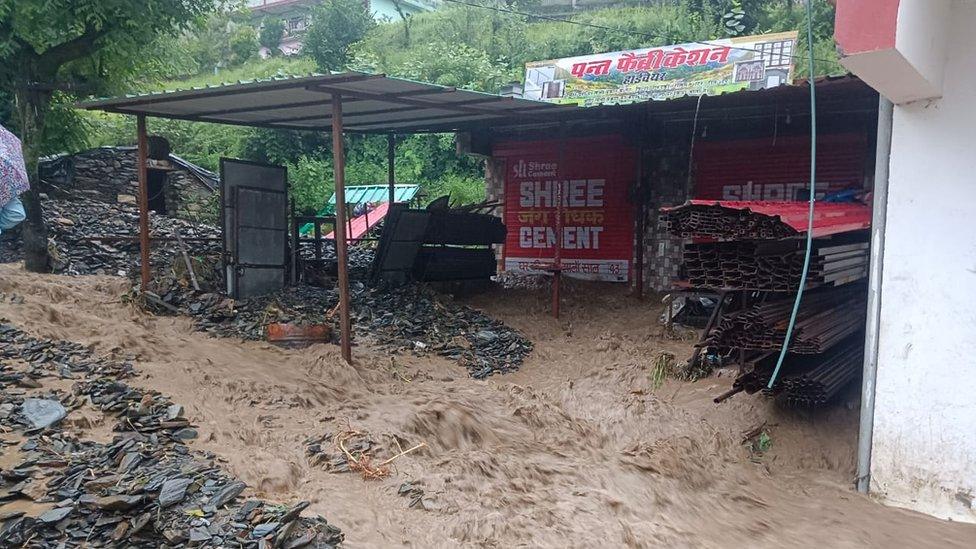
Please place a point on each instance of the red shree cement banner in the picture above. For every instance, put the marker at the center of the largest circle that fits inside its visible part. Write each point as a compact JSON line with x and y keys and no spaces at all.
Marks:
{"x":597,"y":220}
{"x":778,"y":169}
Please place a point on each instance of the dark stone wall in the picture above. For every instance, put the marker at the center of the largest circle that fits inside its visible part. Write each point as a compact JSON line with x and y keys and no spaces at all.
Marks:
{"x":109,"y":174}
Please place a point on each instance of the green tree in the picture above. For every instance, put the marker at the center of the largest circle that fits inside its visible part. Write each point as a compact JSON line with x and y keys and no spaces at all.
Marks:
{"x":455,"y":65}
{"x":207,"y":41}
{"x":244,"y":44}
{"x":272,"y":31}
{"x":62,"y":45}
{"x":336,"y":25}
{"x":734,"y":20}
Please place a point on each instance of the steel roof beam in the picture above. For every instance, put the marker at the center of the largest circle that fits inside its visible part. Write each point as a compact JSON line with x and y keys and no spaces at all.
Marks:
{"x":350,"y":118}
{"x":206,"y":93}
{"x":315,"y":103}
{"x":399,"y":98}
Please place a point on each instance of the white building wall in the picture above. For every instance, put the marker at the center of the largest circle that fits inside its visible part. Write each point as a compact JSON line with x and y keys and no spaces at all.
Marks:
{"x":924,"y":454}
{"x":921,"y":38}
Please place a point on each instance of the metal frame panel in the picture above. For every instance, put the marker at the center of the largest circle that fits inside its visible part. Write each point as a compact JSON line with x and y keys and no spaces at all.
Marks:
{"x":229,"y":222}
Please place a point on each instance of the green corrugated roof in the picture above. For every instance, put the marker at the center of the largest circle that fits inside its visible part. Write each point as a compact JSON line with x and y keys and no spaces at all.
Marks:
{"x":359,"y":194}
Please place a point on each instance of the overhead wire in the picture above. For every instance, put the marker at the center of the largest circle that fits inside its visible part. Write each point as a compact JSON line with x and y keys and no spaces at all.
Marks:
{"x":812,"y":199}
{"x":614,"y":29}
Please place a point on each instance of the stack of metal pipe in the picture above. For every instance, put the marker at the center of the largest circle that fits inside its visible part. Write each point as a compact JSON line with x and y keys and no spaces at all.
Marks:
{"x":824,"y":319}
{"x":808,"y":380}
{"x":760,"y":257}
{"x":773,"y":265}
{"x":822,"y":376}
{"x":708,"y":221}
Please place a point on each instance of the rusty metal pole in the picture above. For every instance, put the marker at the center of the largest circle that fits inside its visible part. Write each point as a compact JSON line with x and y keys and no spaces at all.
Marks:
{"x":557,"y":273}
{"x":390,"y":169}
{"x":143,"y":152}
{"x":339,"y":167}
{"x":641,"y":227}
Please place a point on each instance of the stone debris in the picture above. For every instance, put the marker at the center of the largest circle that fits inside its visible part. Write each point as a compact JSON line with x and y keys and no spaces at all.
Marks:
{"x":400,"y":318}
{"x":325,"y":452}
{"x":42,"y":413}
{"x":356,"y":451}
{"x":145,"y":488}
{"x":72,"y":224}
{"x":418,"y":498}
{"x":403,"y":319}
{"x":173,"y":491}
{"x":360,"y":259}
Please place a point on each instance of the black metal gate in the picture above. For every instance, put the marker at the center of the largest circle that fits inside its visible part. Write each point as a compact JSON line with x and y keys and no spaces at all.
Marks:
{"x":254,"y":200}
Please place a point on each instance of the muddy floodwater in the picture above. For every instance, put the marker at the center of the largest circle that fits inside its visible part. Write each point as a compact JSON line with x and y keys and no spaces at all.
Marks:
{"x":579,"y":448}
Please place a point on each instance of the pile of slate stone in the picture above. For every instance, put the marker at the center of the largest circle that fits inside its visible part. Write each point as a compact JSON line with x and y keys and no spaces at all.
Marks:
{"x":408,"y":318}
{"x":248,"y":318}
{"x":417,"y":319}
{"x":143,"y":489}
{"x":360,"y":258}
{"x":74,"y":224}
{"x":322,"y":450}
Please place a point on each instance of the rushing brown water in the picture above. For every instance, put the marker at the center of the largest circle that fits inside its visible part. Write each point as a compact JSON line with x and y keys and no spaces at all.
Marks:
{"x":577,"y":449}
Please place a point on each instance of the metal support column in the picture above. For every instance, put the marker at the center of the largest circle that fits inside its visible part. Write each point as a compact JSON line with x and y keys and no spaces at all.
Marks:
{"x":872,"y":328}
{"x":143,"y":152}
{"x":295,"y":244}
{"x":641,"y":219}
{"x":557,"y":267}
{"x":390,"y":169}
{"x":339,"y":164}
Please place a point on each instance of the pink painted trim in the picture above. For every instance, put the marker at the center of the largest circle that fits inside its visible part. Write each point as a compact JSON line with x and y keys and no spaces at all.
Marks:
{"x":862,"y":26}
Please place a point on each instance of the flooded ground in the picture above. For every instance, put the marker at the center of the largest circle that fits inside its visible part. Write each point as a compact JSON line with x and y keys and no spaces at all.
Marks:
{"x":580,"y":448}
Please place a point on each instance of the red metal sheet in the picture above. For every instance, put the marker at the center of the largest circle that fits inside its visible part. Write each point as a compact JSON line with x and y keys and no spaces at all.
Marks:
{"x":361,"y":225}
{"x":828,"y":217}
{"x":598,"y":228}
{"x":777,"y":168}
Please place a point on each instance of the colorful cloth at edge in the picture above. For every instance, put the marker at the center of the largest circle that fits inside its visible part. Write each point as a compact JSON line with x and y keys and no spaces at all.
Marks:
{"x":13,"y":172}
{"x":11,"y":214}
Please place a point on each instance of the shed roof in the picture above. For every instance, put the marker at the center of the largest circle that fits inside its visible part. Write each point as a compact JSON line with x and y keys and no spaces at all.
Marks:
{"x":842,"y":93}
{"x":359,"y":194}
{"x":371,"y":103}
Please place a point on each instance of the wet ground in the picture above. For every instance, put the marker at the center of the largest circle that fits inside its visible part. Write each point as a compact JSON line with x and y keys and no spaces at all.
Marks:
{"x":581,"y":447}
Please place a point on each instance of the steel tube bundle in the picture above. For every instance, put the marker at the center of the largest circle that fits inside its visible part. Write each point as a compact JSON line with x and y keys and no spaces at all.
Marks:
{"x":706,"y":221}
{"x":826,"y":317}
{"x":774,"y":266}
{"x":753,"y":251}
{"x":823,"y":376}
{"x":809,"y":380}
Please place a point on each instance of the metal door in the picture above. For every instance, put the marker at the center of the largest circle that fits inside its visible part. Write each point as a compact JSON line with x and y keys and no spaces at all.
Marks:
{"x":255,"y":221}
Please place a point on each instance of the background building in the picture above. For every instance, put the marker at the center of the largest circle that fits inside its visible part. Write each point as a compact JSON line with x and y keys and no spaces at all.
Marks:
{"x":295,"y":14}
{"x":919,"y":54}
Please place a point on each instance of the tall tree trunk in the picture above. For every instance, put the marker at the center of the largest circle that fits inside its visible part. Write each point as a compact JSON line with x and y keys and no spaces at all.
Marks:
{"x":33,"y":102}
{"x":406,"y":22}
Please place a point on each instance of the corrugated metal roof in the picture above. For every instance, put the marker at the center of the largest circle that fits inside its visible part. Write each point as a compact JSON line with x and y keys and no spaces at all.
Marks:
{"x":846,"y":87}
{"x":370,"y":103}
{"x":828,"y":217}
{"x":801,"y":86}
{"x":359,"y":194}
{"x":846,"y":93}
{"x":375,"y":103}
